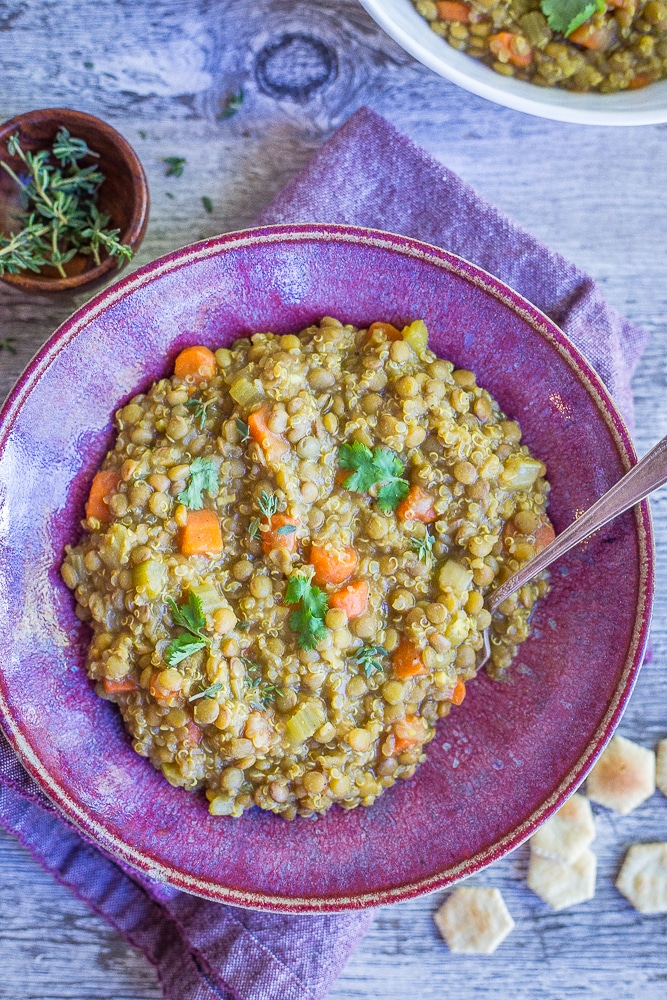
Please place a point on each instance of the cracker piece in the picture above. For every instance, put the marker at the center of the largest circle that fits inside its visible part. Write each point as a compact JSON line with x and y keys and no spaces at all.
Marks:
{"x":643,"y":877}
{"x":661,"y":767}
{"x":623,"y":777}
{"x":474,"y":920}
{"x":568,"y":833}
{"x":561,"y":884}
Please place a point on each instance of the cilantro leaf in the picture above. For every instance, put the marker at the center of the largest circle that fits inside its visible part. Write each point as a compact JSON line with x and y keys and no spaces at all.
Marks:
{"x":567,"y":15}
{"x":380,"y":467}
{"x":203,"y":476}
{"x":308,"y":620}
{"x":190,"y":616}
{"x":175,"y":165}
{"x":183,"y":645}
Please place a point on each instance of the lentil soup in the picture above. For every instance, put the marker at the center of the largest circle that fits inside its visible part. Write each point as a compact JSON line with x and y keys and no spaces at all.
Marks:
{"x":579,"y":46}
{"x":285,"y":558}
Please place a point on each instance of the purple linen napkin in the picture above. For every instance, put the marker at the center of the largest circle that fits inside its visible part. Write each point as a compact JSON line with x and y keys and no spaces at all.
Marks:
{"x":367,"y":174}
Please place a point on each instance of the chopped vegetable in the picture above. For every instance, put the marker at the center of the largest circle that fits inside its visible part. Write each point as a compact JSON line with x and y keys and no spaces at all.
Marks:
{"x":352,"y":599}
{"x":381,"y":468}
{"x":520,"y":472}
{"x":592,"y":37}
{"x":281,"y":533}
{"x":417,"y":506}
{"x":306,"y":720}
{"x":197,"y":363}
{"x":406,"y":660}
{"x":416,"y":334}
{"x":246,"y":393}
{"x":201,"y":535}
{"x":508,"y":47}
{"x":368,"y":658}
{"x":203,"y":476}
{"x":387,"y":330}
{"x":333,"y":565}
{"x":459,"y":693}
{"x":408,"y":732}
{"x":273,"y":445}
{"x":119,"y":687}
{"x":544,"y":536}
{"x":456,"y":576}
{"x":194,"y":732}
{"x":150,"y":577}
{"x":308,"y":620}
{"x":567,"y":15}
{"x":104,"y":483}
{"x":448,"y":10}
{"x":209,"y":598}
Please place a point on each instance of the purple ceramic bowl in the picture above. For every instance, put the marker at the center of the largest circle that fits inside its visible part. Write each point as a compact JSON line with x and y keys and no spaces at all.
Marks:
{"x":503,"y":761}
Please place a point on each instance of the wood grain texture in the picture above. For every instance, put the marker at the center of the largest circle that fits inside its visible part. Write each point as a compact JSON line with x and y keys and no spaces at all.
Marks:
{"x":597,"y":195}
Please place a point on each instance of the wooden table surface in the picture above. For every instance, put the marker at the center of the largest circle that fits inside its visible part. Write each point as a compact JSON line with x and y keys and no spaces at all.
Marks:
{"x":160,"y":72}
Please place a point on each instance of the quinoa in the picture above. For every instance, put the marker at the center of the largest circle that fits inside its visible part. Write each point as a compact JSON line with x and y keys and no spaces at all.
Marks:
{"x":252,"y":713}
{"x":622,"y":47}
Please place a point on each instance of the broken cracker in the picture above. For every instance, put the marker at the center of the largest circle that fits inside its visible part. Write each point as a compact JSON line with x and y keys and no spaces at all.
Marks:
{"x":661,"y":767}
{"x":623,"y":777}
{"x":560,"y":883}
{"x":474,"y":920}
{"x":643,"y":877}
{"x":568,"y":833}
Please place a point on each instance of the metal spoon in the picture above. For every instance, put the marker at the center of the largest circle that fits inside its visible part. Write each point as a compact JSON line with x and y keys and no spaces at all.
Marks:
{"x":643,"y":478}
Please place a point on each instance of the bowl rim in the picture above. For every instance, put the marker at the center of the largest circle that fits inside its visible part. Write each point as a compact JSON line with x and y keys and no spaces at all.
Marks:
{"x":95,"y":829}
{"x":519,"y":95}
{"x":133,"y":233}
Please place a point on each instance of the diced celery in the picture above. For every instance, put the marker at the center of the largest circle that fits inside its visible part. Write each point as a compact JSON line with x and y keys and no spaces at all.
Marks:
{"x":209,"y":597}
{"x":150,"y":577}
{"x":416,"y":335}
{"x":306,"y":720}
{"x":245,"y":393}
{"x":456,"y":576}
{"x":520,"y":472}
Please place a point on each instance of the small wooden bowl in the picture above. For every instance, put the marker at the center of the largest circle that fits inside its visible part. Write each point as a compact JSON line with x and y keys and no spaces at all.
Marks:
{"x":123,"y":195}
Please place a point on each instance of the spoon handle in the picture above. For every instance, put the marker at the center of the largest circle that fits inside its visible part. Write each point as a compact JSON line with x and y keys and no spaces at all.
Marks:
{"x":643,"y":478}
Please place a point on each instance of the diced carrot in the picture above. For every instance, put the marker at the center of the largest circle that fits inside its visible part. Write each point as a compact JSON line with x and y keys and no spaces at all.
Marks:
{"x":201,"y":535}
{"x":406,"y":660}
{"x":352,"y":599}
{"x":118,"y":687}
{"x":509,"y":47}
{"x":544,"y":535}
{"x":104,"y":483}
{"x":388,"y":331}
{"x":333,"y":565}
{"x":459,"y":693}
{"x":448,"y":10}
{"x":162,"y":694}
{"x":408,"y":732}
{"x":194,"y":732}
{"x":640,"y":80}
{"x":591,"y":37}
{"x":273,"y":445}
{"x":196,"y":363}
{"x":417,"y":506}
{"x":275,"y":539}
{"x":340,"y":476}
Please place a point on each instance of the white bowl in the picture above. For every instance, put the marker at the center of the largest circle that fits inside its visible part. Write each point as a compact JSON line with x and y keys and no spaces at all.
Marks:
{"x":630,"y":107}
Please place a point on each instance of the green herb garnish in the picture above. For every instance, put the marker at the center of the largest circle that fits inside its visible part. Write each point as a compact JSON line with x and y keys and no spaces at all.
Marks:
{"x":7,"y":344}
{"x":268,"y":504}
{"x":286,"y":529}
{"x":203,"y":476}
{"x":175,"y":165}
{"x":209,"y":692}
{"x":380,"y":467}
{"x":367,"y":657}
{"x":169,"y":195}
{"x":266,"y":692}
{"x":253,"y":528}
{"x":423,"y":546}
{"x":231,"y":105}
{"x":190,"y":617}
{"x":566,"y":16}
{"x":308,"y":620}
{"x":207,"y":203}
{"x":243,"y":430}
{"x":142,"y":133}
{"x":59,"y":217}
{"x":200,"y":407}
{"x":243,"y":626}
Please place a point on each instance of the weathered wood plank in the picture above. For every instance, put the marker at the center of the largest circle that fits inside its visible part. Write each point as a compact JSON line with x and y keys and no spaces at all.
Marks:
{"x":594,"y":194}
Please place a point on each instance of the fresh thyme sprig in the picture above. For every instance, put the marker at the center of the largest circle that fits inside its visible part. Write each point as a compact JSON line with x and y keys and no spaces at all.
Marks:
{"x":368,"y":658}
{"x":60,"y":216}
{"x":268,"y":504}
{"x":209,"y":692}
{"x":265,"y":691}
{"x":200,"y":407}
{"x":423,"y":546}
